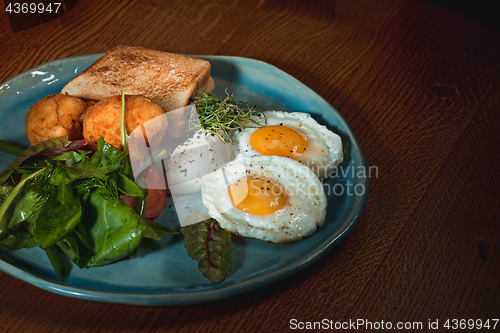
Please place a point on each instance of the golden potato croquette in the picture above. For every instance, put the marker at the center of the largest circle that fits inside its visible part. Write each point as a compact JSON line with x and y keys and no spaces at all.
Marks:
{"x":103,"y":119}
{"x":55,"y":115}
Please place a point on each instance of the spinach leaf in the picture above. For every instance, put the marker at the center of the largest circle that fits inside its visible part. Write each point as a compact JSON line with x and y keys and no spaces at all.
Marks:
{"x":4,"y":227}
{"x":4,"y":192}
{"x":63,"y":175}
{"x":59,"y":261}
{"x":25,"y":204}
{"x":72,"y":158}
{"x":210,"y":245}
{"x":17,"y":240}
{"x":112,"y":228}
{"x":56,"y":220}
{"x":127,"y":186}
{"x":75,"y":249}
{"x":69,"y":245}
{"x":105,"y":160}
{"x":154,"y":229}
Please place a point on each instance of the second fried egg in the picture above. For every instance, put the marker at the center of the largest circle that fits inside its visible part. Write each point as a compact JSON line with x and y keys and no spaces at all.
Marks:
{"x":295,"y":135}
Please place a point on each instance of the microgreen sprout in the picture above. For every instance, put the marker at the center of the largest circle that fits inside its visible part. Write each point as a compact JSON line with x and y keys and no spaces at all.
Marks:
{"x":123,"y":130}
{"x":223,"y":116}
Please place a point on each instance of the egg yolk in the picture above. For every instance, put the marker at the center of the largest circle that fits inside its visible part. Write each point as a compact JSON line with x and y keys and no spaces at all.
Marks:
{"x":257,"y":195}
{"x":279,"y":140}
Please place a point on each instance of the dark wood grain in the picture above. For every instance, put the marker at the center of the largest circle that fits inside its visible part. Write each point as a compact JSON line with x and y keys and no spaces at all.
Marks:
{"x":418,"y":83}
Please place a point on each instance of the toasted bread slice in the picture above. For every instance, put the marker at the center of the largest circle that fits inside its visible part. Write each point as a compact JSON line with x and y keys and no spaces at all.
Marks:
{"x":167,"y":79}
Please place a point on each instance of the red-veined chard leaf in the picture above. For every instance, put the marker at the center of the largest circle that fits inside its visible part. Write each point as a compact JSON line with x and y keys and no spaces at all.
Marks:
{"x":51,"y":146}
{"x":209,"y":244}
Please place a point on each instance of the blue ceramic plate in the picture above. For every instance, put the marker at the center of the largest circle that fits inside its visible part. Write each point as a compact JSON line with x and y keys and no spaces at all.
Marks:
{"x":162,"y":273}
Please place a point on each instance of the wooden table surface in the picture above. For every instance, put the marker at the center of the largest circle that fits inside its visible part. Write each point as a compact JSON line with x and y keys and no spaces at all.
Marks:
{"x":419,"y":85}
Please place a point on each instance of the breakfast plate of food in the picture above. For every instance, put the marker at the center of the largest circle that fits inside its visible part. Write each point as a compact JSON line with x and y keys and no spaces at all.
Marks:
{"x":289,"y":180}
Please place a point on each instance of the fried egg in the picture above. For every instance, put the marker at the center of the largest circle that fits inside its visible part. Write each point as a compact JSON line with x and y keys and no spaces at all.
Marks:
{"x":295,"y":135}
{"x":272,"y":198}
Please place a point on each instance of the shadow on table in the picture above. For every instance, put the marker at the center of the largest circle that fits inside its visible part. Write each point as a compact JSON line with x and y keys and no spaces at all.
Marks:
{"x":483,"y":11}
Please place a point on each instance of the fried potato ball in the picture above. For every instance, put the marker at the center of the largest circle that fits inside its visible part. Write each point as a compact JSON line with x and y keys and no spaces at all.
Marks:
{"x":55,"y":115}
{"x":103,"y":119}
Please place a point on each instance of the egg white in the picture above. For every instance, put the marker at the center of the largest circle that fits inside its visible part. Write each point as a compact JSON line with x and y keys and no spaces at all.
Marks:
{"x":324,"y":152}
{"x":200,"y":155}
{"x":303,"y":213}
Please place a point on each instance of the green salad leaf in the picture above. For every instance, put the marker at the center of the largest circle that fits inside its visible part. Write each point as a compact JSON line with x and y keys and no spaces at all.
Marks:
{"x":22,"y":207}
{"x":4,"y":223}
{"x":127,"y":185}
{"x":70,"y":246}
{"x":17,"y":240}
{"x":49,"y":147}
{"x":209,"y":244}
{"x":56,"y":220}
{"x":11,"y":148}
{"x":59,"y":261}
{"x":66,"y":201}
{"x":112,"y":227}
